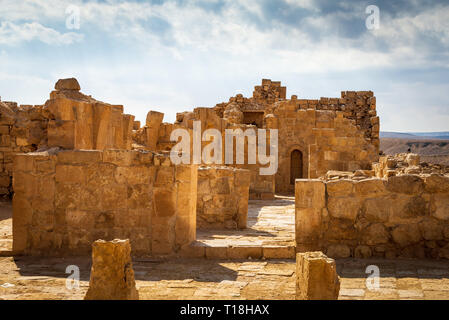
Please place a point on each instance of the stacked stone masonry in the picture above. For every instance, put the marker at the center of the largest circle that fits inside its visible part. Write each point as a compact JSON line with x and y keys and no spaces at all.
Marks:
{"x":68,"y":120}
{"x":314,"y":135}
{"x":65,"y":200}
{"x":401,"y":216}
{"x":223,"y":194}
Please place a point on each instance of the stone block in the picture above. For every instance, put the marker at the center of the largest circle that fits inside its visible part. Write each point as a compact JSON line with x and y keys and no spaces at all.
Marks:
{"x":216,"y":252}
{"x":278,"y":252}
{"x":244,"y":252}
{"x":441,"y":203}
{"x":408,"y":184}
{"x":70,"y":174}
{"x":375,"y":234}
{"x":310,"y":201}
{"x":316,"y":277}
{"x":112,"y":275}
{"x":436,"y":183}
{"x":344,"y":207}
{"x":338,"y":251}
{"x":79,"y":156}
{"x":339,"y":188}
{"x":164,"y":202}
{"x":61,"y":133}
{"x":67,"y":84}
{"x":406,"y":234}
{"x":370,"y":188}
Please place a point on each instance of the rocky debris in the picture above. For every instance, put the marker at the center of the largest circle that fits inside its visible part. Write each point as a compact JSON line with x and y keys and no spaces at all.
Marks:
{"x":356,"y":175}
{"x":67,"y":84}
{"x":316,"y":277}
{"x":112,"y":275}
{"x":233,"y":113}
{"x":406,"y":163}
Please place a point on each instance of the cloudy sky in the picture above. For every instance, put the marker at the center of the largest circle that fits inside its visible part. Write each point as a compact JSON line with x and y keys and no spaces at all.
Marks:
{"x":172,"y":56}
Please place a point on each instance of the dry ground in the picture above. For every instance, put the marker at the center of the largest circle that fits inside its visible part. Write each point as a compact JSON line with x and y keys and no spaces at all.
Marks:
{"x":181,"y":278}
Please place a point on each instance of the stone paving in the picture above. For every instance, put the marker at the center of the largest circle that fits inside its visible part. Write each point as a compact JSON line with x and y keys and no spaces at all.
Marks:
{"x":270,"y":229}
{"x":45,"y":278}
{"x":271,"y":225}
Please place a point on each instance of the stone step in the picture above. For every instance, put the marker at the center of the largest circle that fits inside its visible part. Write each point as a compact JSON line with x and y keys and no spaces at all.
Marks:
{"x":200,"y":250}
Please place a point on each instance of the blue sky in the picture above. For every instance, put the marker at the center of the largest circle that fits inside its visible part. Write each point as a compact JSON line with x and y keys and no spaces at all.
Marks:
{"x":172,"y":56}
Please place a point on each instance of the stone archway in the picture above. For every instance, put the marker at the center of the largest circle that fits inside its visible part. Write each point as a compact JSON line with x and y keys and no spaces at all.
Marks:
{"x":296,"y":166}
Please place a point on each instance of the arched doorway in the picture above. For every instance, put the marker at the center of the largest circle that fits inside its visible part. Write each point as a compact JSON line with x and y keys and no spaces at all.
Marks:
{"x":295,"y":166}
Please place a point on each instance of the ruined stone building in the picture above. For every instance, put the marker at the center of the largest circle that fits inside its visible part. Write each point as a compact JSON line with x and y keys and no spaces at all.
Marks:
{"x":314,"y":135}
{"x":80,"y":170}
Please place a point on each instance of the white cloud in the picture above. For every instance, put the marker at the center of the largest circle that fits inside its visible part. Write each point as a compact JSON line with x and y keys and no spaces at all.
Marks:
{"x":13,"y":34}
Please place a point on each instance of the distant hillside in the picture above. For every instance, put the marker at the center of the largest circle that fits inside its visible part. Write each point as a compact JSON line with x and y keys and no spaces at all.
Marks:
{"x":444,"y":135}
{"x":431,"y":150}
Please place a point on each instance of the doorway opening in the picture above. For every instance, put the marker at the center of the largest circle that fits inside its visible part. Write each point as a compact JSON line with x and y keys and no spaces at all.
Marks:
{"x":295,"y":166}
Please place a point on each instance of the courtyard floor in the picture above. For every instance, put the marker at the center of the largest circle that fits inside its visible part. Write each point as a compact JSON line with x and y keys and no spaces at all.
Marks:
{"x":271,"y":224}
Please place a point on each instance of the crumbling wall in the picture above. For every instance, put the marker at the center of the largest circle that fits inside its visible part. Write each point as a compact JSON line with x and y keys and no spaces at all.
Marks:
{"x":22,"y":129}
{"x":65,"y":200}
{"x":325,"y":135}
{"x":408,"y":163}
{"x":81,"y":122}
{"x":68,"y":120}
{"x":405,"y":215}
{"x":222,"y":197}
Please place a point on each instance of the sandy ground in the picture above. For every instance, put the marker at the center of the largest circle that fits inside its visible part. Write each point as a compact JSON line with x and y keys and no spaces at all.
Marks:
{"x":176,"y":278}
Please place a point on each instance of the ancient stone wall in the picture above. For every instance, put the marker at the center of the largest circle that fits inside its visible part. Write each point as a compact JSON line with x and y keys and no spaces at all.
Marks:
{"x":22,"y":129}
{"x":81,"y":122}
{"x":222,"y":197}
{"x":326,"y":140}
{"x":261,"y":186}
{"x":68,"y":120}
{"x":65,"y":200}
{"x":404,"y":215}
{"x":326,"y":134}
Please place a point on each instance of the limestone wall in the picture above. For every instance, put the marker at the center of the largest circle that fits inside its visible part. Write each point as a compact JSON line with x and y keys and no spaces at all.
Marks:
{"x":406,"y":216}
{"x":326,"y":139}
{"x":81,"y":122}
{"x":222,"y":197}
{"x":68,"y":120}
{"x":65,"y":200}
{"x":22,"y":129}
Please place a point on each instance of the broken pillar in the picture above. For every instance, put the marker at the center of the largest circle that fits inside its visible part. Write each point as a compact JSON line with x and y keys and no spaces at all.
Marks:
{"x":316,"y":277}
{"x":112,"y":275}
{"x":153,"y":122}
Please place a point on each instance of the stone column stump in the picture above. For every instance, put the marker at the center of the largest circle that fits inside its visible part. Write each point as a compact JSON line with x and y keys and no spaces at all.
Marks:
{"x":112,"y":275}
{"x":316,"y":277}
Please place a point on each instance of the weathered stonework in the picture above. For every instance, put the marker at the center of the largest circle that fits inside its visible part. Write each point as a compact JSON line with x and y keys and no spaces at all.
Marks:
{"x":222,"y":197}
{"x":22,"y":129}
{"x":316,"y":277}
{"x":112,"y":275}
{"x":405,"y":163}
{"x":315,"y":136}
{"x":404,"y":215}
{"x":65,"y":200}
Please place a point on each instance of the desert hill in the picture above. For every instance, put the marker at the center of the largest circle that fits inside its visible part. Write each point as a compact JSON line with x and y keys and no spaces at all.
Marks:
{"x":432,"y":147}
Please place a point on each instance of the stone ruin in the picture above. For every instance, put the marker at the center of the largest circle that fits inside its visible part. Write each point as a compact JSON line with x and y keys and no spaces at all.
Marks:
{"x":79,"y":170}
{"x":316,"y":277}
{"x":406,"y":163}
{"x":112,"y":275}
